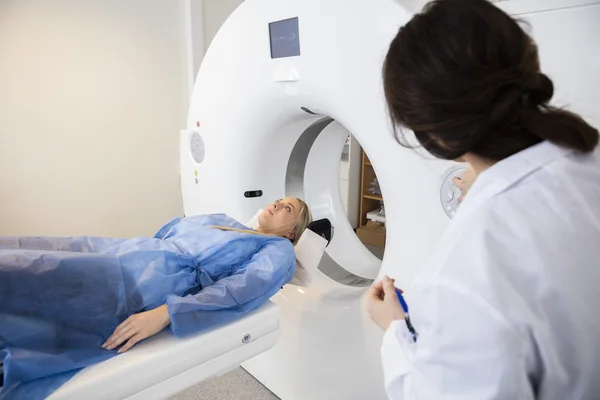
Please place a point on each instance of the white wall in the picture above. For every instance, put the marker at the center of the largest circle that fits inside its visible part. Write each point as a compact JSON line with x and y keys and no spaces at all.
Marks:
{"x":92,"y":98}
{"x":215,"y":13}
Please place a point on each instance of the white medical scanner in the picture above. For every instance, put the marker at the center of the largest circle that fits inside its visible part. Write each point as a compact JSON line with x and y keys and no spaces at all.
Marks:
{"x":280,"y":88}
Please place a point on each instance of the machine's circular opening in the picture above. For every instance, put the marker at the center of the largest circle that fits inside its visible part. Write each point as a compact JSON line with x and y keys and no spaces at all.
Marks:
{"x":328,"y":167}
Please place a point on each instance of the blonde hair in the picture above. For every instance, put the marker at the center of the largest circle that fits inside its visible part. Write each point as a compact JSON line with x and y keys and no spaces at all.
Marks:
{"x":303,"y":219}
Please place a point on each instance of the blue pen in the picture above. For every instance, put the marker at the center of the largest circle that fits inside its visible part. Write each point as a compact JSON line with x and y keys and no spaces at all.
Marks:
{"x":409,"y":325}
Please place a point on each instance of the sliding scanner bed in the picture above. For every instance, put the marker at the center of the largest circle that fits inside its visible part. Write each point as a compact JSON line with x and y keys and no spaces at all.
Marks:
{"x":165,"y":365}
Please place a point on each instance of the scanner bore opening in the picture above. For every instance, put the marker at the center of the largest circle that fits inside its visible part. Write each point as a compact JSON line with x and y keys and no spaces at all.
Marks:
{"x":294,"y":187}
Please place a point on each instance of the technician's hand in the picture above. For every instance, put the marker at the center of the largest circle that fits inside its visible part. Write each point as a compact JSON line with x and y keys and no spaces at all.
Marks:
{"x":138,"y":327}
{"x":465,"y":182}
{"x":382,"y":303}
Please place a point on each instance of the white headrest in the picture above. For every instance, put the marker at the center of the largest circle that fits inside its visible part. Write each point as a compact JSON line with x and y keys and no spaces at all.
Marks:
{"x":309,"y":251}
{"x":253,"y":223}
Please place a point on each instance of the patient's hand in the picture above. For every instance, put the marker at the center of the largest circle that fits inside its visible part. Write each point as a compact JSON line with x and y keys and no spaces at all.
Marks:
{"x":138,"y":327}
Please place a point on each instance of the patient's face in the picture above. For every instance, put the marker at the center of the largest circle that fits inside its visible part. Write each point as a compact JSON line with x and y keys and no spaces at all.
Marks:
{"x":281,"y":217}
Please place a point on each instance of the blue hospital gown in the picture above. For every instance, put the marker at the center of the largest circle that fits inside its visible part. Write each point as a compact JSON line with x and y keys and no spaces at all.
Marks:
{"x":61,"y":298}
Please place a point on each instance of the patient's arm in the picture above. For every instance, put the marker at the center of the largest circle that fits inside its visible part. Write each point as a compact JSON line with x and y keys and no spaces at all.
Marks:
{"x":138,"y":327}
{"x":246,"y":289}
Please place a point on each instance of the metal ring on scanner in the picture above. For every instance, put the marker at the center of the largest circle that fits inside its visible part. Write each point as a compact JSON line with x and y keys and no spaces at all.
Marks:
{"x":449,"y":193}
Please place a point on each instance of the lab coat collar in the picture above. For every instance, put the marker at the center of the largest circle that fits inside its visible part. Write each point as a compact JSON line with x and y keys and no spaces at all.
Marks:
{"x":504,"y":174}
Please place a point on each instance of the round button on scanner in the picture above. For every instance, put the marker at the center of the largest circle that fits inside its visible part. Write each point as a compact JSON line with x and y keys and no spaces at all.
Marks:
{"x":197,"y":147}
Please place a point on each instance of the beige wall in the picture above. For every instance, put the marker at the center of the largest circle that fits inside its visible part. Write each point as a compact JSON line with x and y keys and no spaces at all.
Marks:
{"x":215,"y":12}
{"x":92,"y":98}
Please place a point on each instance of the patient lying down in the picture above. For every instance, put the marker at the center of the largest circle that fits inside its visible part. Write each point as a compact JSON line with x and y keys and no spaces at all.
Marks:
{"x":66,"y":303}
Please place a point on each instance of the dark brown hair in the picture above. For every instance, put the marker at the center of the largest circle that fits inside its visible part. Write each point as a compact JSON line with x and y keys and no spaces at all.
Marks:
{"x":465,"y":77}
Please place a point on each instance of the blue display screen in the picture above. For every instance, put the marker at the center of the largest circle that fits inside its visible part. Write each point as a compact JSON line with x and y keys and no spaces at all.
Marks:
{"x":285,"y":38}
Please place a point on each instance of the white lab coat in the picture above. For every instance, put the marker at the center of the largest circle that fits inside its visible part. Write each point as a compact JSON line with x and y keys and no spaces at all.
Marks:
{"x":509,"y":307}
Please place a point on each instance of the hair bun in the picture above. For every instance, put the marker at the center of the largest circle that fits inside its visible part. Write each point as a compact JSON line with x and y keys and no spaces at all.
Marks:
{"x":540,"y":90}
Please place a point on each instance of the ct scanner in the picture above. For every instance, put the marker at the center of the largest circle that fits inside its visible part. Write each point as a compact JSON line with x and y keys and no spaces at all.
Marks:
{"x":278,"y":91}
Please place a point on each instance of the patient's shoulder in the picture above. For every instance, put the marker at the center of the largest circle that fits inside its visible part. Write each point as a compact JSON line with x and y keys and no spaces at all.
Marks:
{"x":281,"y":247}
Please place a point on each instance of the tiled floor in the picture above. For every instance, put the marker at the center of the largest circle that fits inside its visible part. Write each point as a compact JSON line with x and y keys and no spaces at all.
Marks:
{"x":235,"y":385}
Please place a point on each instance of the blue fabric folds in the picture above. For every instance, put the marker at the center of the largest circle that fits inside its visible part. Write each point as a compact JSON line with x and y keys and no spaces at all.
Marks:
{"x":61,"y":298}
